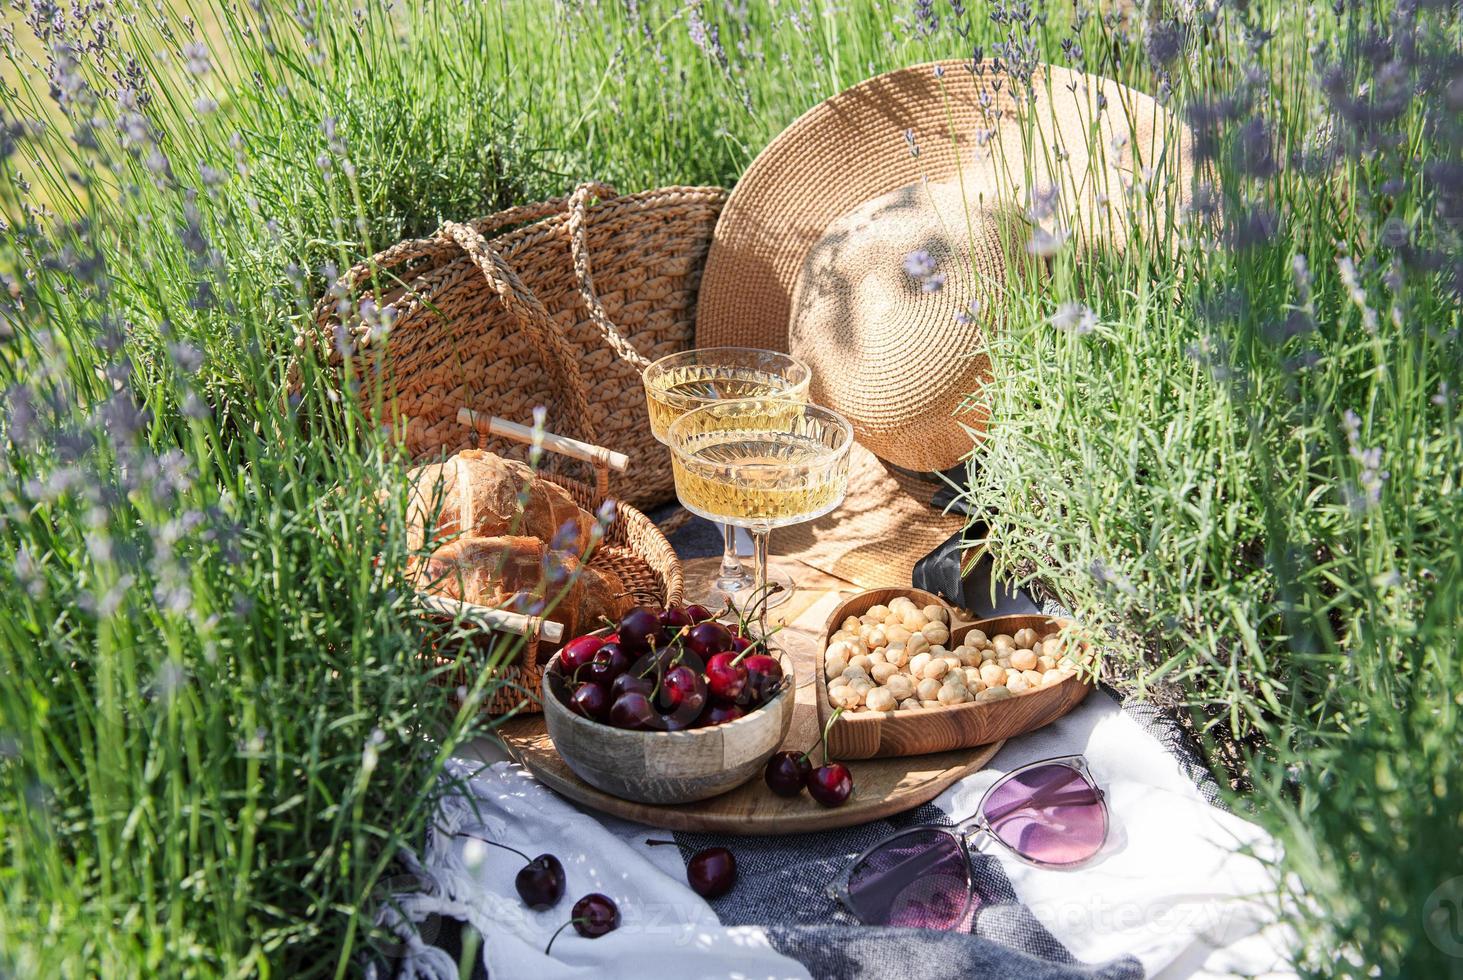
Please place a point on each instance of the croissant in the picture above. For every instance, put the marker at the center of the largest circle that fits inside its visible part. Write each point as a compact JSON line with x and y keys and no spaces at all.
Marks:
{"x":520,"y":573}
{"x":478,"y":494}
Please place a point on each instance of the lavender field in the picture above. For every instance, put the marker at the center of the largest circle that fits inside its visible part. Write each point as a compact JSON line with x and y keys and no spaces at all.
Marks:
{"x":1239,"y":447}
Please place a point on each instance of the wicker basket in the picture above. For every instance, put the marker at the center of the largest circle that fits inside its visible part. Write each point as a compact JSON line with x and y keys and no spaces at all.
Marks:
{"x":633,"y":548}
{"x":507,"y":323}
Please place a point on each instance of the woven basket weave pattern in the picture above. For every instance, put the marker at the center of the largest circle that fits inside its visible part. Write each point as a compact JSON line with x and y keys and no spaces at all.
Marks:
{"x":504,"y":324}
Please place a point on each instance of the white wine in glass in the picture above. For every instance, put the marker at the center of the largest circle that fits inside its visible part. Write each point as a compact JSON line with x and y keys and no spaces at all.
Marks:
{"x":689,"y":380}
{"x":760,"y":464}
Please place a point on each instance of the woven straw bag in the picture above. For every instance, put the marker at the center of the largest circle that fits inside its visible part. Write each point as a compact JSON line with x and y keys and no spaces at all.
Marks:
{"x":634,"y":549}
{"x":524,"y":318}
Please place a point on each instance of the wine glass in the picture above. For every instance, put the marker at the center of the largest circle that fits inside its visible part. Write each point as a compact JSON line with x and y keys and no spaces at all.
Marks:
{"x":760,"y":463}
{"x":688,"y":380}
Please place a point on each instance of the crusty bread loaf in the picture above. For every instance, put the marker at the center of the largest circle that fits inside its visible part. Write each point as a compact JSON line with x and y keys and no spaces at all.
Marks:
{"x":517,"y":573}
{"x":478,"y":494}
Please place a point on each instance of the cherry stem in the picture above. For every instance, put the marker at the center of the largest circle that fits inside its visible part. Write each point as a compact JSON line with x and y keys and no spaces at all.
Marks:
{"x":655,"y":843}
{"x":463,"y":833}
{"x":559,"y":930}
{"x":823,"y":738}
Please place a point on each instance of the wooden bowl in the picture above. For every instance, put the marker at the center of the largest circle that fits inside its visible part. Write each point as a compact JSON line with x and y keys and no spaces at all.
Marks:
{"x":667,"y":767}
{"x":868,"y":734}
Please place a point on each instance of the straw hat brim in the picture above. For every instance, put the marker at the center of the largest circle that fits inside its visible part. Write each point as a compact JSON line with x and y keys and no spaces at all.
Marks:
{"x":932,"y":122}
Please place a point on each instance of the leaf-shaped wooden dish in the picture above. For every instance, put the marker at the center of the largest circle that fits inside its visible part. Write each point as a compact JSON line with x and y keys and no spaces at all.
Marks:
{"x":915,"y":731}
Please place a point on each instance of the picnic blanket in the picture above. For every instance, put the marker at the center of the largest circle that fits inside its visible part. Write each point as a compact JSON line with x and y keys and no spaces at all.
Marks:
{"x":1184,"y":887}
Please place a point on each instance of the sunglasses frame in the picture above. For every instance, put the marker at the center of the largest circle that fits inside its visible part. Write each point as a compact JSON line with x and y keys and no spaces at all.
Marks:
{"x":968,"y":832}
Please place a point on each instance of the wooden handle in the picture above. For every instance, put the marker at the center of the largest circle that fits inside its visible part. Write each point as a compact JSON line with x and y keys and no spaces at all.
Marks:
{"x":493,"y":619}
{"x":563,"y":445}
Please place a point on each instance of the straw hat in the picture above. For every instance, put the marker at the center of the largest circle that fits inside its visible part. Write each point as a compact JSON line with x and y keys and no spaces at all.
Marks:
{"x":873,"y":238}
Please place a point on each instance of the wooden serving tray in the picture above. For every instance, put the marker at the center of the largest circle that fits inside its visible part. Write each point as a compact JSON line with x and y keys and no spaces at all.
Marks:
{"x":881,"y":786}
{"x":869,"y":735}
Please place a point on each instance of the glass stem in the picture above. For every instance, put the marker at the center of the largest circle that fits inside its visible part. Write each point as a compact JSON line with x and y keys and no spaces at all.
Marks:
{"x":731,"y":564}
{"x":760,"y":538}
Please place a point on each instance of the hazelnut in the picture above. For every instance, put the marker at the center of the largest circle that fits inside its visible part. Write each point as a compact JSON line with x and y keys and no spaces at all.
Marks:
{"x":901,"y":686}
{"x":915,"y":620}
{"x":953,"y":694}
{"x":879,"y":699}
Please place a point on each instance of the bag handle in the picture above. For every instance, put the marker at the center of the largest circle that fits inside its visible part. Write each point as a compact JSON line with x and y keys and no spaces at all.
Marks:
{"x":526,"y":309}
{"x":403,"y":252}
{"x":579,"y":253}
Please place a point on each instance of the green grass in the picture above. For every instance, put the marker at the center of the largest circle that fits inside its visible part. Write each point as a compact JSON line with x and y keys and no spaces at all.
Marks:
{"x":201,"y":635}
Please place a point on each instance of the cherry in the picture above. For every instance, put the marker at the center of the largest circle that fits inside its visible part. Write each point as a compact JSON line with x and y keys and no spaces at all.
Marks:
{"x":709,"y":638}
{"x":590,"y":700}
{"x":764,"y":673}
{"x":633,"y":710}
{"x":594,"y":915}
{"x":673,"y":620}
{"x":830,"y":784}
{"x":699,"y":613}
{"x":720,"y":714}
{"x":540,"y":882}
{"x":608,"y":662}
{"x":712,"y":873}
{"x":681,"y":686}
{"x":725,"y":678}
{"x":578,"y":651}
{"x":637,"y":627}
{"x":630,"y":681}
{"x":740,"y":644}
{"x":787,"y":773}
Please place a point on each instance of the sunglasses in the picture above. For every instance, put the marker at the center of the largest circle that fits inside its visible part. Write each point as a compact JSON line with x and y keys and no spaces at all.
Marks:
{"x":1050,"y":814}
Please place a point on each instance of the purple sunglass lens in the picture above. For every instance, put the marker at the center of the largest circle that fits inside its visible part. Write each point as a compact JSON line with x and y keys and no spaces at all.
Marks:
{"x":1050,"y":814}
{"x":920,"y":880}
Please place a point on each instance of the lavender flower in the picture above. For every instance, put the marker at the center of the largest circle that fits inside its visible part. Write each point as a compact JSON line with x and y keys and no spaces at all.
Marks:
{"x":1346,"y":267}
{"x":926,"y":21}
{"x":1042,"y":201}
{"x":1110,"y":578}
{"x":1165,"y":42}
{"x":919,"y":264}
{"x":1254,"y":152}
{"x":1045,"y":244}
{"x":1073,"y":318}
{"x":1366,"y":493}
{"x":196,"y":58}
